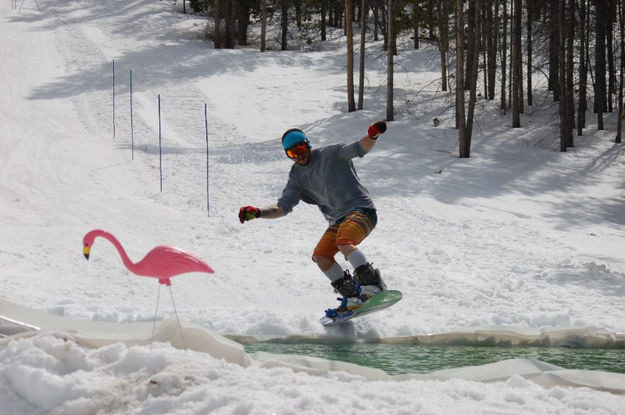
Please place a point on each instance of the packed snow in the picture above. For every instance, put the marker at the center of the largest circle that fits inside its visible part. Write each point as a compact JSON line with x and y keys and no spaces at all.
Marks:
{"x":519,"y":235}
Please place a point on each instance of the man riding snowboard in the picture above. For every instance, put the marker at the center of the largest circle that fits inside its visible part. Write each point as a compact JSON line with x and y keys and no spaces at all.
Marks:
{"x":326,"y":177}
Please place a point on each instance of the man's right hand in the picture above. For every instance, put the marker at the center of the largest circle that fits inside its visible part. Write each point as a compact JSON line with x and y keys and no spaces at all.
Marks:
{"x":248,"y":213}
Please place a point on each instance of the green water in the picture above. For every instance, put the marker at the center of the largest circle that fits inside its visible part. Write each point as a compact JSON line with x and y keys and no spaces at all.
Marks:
{"x":399,"y":359}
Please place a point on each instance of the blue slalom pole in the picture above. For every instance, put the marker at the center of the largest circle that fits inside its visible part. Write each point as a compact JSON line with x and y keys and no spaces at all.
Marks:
{"x":206,"y":130}
{"x":160,"y":147}
{"x":132,"y":129}
{"x":113,"y":98}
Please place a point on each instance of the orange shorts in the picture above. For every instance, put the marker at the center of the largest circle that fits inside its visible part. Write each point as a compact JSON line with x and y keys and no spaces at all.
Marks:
{"x":355,"y":227}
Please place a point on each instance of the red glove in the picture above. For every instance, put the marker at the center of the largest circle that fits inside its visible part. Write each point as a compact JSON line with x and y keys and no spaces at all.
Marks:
{"x":376,"y":129}
{"x":248,"y":213}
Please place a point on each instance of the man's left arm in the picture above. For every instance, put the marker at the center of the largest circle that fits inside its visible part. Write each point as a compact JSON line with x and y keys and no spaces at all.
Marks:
{"x":375,"y":130}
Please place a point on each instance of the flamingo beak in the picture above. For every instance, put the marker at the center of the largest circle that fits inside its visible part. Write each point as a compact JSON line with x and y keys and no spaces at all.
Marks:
{"x":86,"y":250}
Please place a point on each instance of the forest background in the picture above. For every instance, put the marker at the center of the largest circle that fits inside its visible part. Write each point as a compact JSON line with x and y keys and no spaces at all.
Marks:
{"x":577,"y":46}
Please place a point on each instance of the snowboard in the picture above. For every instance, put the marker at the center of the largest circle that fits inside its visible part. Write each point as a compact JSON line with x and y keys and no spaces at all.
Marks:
{"x":378,"y":302}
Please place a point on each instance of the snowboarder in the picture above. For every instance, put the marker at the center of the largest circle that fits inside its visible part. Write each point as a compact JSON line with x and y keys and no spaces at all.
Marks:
{"x":326,"y":177}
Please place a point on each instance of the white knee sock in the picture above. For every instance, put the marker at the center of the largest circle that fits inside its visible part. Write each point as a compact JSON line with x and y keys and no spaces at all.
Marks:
{"x":356,"y":258}
{"x":334,"y":273}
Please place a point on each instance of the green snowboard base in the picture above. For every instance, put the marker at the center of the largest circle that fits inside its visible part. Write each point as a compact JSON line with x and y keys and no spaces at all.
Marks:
{"x":378,"y":302}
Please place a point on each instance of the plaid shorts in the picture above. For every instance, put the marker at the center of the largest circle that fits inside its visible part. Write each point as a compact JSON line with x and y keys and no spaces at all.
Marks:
{"x":349,"y":230}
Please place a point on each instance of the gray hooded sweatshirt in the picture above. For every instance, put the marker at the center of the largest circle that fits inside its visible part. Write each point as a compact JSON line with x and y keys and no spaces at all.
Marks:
{"x":329,"y":181}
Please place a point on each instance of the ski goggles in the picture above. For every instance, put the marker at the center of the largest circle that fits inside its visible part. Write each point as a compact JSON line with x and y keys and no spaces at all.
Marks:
{"x":297,"y":150}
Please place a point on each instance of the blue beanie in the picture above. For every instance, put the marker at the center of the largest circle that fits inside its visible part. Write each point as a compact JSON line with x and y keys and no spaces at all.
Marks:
{"x":292,"y":137}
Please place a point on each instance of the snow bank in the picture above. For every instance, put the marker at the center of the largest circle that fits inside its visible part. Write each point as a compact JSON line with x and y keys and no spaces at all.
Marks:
{"x":542,"y":373}
{"x":95,"y":334}
{"x":48,"y":373}
{"x":518,"y":336}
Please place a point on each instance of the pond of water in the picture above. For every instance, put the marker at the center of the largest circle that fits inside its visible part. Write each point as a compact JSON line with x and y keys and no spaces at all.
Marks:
{"x":399,"y":359}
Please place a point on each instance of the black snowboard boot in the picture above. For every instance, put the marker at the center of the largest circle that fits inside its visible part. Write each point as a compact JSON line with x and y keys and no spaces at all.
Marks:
{"x":370,"y":281}
{"x":350,"y":291}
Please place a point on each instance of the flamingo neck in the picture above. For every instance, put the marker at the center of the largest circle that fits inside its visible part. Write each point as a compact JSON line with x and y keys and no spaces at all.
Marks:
{"x":122,"y":252}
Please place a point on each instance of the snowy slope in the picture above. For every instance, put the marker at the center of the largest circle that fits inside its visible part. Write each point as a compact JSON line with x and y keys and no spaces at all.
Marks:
{"x":517,"y":235}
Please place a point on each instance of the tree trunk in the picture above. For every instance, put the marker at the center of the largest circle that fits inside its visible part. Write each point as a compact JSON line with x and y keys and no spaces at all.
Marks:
{"x":284,"y":24}
{"x":470,"y":18}
{"x":361,"y":62}
{"x":323,"y":12}
{"x":465,"y":150}
{"x":517,"y":96}
{"x":443,"y":24}
{"x":263,"y":24}
{"x":554,"y":49}
{"x":217,"y":36}
{"x":562,"y":74}
{"x":610,"y":51}
{"x":460,"y":75}
{"x":583,"y":70}
{"x":228,"y":38}
{"x":570,"y":95}
{"x":298,"y":13}
{"x":530,"y":16}
{"x":491,"y":29}
{"x":621,"y":109}
{"x":600,"y":63}
{"x":393,"y":30}
{"x":390,"y":111}
{"x":243,"y":19}
{"x":504,"y":48}
{"x":349,"y":32}
{"x":338,"y":14}
{"x":483,"y":48}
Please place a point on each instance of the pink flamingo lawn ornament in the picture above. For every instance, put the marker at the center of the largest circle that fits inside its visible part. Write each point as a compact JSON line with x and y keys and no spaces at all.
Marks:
{"x":162,"y":262}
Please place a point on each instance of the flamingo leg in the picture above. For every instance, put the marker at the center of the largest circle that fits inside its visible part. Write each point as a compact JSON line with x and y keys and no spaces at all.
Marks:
{"x":158,"y":297}
{"x":171,"y":294}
